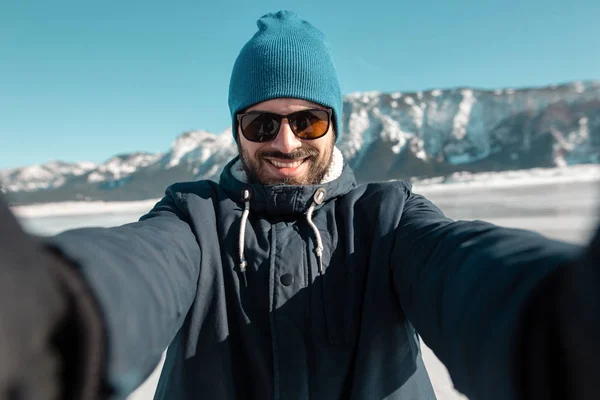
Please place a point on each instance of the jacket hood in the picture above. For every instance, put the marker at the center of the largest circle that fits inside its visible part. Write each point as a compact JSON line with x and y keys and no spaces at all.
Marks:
{"x":282,"y":199}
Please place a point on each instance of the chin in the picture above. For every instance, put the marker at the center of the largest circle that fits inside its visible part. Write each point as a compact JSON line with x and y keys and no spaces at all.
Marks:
{"x":293,"y":181}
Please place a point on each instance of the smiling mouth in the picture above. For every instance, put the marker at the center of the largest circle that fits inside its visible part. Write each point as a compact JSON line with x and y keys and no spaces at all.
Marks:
{"x":286,"y":163}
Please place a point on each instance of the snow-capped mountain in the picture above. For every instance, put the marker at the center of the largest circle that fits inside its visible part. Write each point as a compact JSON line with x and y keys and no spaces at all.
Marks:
{"x":201,"y":152}
{"x":386,"y":136}
{"x":437,"y":132}
{"x":42,"y":176}
{"x":121,"y":166}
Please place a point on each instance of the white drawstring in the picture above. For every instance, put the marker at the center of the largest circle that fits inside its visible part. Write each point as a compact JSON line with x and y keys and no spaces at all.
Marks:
{"x":318,"y":198}
{"x":319,"y":249}
{"x":243,"y":263}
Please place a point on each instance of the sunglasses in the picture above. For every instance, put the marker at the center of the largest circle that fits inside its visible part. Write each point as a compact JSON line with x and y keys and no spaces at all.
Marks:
{"x":262,"y":126}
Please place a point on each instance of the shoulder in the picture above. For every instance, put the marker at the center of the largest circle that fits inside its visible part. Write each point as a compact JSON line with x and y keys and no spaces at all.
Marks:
{"x":395,"y":198}
{"x":381,"y":201}
{"x":391,"y":190}
{"x":193,"y":193}
{"x":183,"y":190}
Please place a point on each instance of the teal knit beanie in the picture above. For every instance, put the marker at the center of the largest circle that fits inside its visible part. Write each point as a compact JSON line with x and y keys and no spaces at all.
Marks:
{"x":287,"y":57}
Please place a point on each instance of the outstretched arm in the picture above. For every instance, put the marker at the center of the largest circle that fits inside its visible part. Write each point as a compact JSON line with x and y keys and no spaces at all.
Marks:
{"x":144,"y":278}
{"x":465,"y":285}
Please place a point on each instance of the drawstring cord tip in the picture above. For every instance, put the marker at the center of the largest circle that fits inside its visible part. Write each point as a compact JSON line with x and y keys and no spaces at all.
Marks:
{"x":243,"y":271}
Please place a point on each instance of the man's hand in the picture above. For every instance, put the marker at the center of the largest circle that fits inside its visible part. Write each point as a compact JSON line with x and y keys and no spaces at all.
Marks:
{"x":559,"y":341}
{"x":579,"y":325}
{"x":50,"y":332}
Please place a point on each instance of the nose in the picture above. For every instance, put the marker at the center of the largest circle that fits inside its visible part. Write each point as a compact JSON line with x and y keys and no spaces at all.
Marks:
{"x":286,"y":141}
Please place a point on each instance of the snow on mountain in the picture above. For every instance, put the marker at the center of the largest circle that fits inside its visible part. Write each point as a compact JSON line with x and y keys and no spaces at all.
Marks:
{"x":463,"y":116}
{"x":121,"y":166}
{"x":186,"y":146}
{"x":440,"y":132}
{"x":192,"y":150}
{"x":386,"y":136}
{"x":50,"y":175}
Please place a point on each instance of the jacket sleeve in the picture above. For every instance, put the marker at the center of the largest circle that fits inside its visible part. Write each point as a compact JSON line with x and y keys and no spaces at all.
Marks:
{"x":464,"y":284}
{"x":144,"y":277}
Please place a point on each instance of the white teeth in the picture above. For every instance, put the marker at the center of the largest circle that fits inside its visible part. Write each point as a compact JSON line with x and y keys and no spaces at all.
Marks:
{"x":292,"y":164}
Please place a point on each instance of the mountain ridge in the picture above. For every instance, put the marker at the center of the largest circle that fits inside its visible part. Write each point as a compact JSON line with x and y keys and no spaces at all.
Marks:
{"x":393,"y":135}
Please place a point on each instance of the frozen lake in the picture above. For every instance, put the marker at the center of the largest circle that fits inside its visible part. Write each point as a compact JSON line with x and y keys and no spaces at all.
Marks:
{"x":566,"y":211}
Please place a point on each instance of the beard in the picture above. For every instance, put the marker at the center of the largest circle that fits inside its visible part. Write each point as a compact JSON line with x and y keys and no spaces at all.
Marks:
{"x":319,"y":164}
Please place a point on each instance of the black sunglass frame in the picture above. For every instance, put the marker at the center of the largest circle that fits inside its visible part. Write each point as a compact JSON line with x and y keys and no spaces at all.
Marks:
{"x":281,"y":117}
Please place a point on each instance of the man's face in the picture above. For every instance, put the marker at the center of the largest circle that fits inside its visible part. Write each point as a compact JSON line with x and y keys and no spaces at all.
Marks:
{"x":286,"y":159}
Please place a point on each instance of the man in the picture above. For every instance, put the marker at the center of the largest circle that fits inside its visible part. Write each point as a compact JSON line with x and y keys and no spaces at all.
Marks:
{"x":286,"y":280}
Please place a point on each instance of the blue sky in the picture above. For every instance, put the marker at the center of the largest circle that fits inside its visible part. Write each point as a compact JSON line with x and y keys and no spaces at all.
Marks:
{"x":83,"y":80}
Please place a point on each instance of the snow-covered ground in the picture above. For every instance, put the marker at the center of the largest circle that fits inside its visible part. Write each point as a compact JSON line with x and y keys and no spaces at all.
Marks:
{"x":454,"y":183}
{"x":82,"y":208}
{"x":562,"y":204}
{"x":504,"y":179}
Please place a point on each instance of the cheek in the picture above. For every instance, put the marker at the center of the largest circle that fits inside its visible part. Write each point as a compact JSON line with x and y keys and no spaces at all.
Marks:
{"x":245,"y":146}
{"x":251,"y":149}
{"x":324,"y":145}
